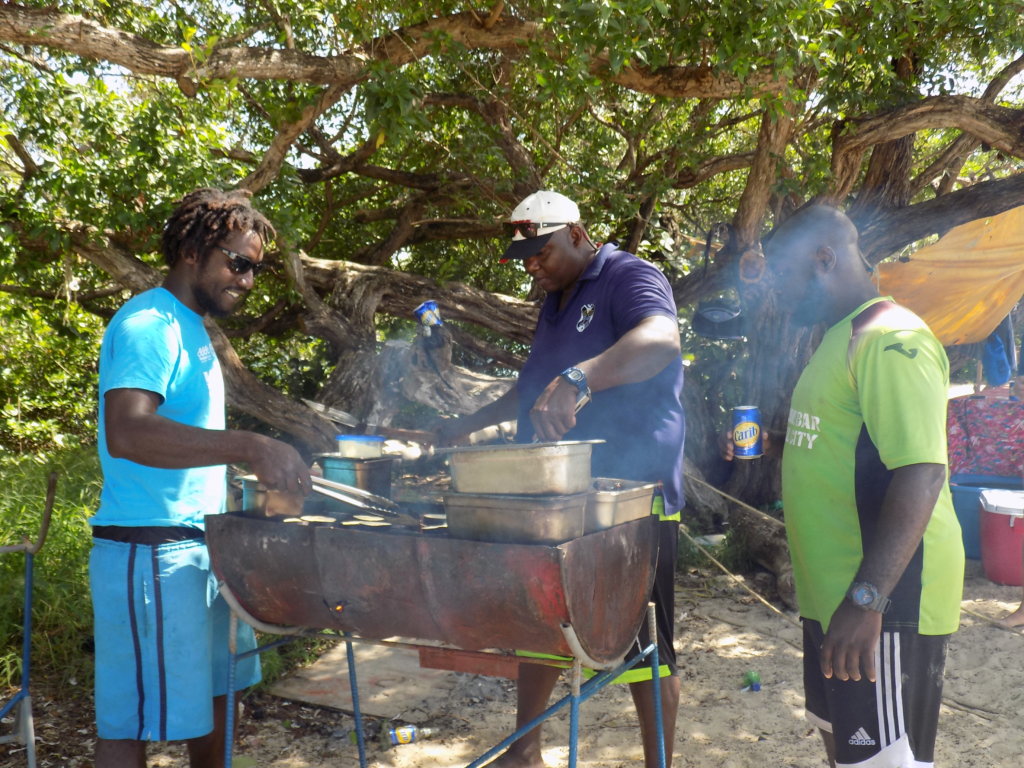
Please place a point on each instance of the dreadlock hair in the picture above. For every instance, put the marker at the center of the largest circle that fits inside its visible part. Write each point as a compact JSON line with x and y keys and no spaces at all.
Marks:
{"x":204,"y":217}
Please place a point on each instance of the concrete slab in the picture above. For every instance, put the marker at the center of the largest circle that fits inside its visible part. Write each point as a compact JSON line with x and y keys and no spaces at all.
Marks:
{"x":391,"y":681}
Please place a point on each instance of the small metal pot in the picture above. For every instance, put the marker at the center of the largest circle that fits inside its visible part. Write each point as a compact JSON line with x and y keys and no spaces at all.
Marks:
{"x":254,"y":494}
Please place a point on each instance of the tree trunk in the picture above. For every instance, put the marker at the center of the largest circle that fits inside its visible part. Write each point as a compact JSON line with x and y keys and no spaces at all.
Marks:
{"x":765,"y":542}
{"x":422,"y":373}
{"x":888,"y":182}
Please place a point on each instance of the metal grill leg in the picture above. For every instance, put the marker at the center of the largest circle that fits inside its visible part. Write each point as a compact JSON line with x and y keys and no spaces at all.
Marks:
{"x":574,"y":712}
{"x":229,"y":696}
{"x":652,"y":633}
{"x":357,"y":714}
{"x":25,"y":728}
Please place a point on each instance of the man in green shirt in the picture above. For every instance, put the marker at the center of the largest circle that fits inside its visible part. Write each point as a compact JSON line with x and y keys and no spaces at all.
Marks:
{"x":876,"y":547}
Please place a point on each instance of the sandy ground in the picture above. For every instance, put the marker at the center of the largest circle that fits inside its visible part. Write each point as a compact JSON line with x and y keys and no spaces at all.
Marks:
{"x":722,"y":632}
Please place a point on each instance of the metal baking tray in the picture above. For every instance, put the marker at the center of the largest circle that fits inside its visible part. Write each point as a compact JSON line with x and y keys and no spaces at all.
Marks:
{"x":512,"y":519}
{"x":613,"y":502}
{"x":559,"y":468}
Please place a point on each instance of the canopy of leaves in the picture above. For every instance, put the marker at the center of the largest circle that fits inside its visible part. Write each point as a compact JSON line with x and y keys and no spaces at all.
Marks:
{"x":398,"y":137}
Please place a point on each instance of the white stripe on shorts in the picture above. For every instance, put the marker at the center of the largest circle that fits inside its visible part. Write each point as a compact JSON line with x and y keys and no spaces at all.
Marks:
{"x":889,"y":689}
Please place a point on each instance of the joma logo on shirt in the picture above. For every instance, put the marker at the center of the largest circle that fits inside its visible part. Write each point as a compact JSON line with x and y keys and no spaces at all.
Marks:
{"x":803,"y":429}
{"x":899,"y":348}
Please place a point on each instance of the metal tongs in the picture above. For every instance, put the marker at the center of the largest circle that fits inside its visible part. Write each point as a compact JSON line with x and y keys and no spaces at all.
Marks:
{"x":350,"y":490}
{"x":582,"y":399}
{"x":357,"y":497}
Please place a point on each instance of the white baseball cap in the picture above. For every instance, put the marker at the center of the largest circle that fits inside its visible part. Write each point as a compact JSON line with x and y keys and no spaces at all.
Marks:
{"x":536,"y":219}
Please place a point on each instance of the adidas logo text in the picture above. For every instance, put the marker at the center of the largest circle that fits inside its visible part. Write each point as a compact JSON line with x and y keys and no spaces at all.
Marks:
{"x":861,"y":739}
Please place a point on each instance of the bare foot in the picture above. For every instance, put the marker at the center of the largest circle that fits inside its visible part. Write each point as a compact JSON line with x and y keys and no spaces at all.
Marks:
{"x":513,"y":759}
{"x":1015,"y":619}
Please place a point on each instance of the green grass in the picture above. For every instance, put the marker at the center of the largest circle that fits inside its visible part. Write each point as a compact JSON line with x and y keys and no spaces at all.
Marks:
{"x":300,"y":652}
{"x":61,"y":609}
{"x":732,"y":552}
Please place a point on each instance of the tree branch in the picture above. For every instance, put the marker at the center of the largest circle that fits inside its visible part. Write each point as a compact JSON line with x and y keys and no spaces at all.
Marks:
{"x":341,"y":165}
{"x":274,"y":157}
{"x":31,"y":168}
{"x":80,"y":36}
{"x":776,"y":130}
{"x":691,"y":177}
{"x":1000,"y":127}
{"x":400,"y":293}
{"x":695,"y":82}
{"x":891,"y":230}
{"x":250,"y":395}
{"x":496,"y":114}
{"x":949,"y":162}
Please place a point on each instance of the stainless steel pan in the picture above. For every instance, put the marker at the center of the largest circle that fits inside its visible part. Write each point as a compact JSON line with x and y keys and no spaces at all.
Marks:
{"x":558,"y":468}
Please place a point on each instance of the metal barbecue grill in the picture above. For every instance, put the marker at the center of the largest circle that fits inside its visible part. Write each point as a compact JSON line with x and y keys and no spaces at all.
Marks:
{"x":585,"y":597}
{"x":409,"y":581}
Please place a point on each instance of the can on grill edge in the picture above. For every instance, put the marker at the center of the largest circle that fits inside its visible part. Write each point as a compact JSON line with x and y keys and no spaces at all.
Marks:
{"x":746,"y":432}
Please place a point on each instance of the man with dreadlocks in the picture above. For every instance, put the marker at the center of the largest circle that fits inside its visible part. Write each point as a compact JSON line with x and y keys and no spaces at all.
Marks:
{"x":160,"y":626}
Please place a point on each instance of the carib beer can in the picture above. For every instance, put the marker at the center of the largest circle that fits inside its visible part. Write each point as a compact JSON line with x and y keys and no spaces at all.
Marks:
{"x":746,"y":432}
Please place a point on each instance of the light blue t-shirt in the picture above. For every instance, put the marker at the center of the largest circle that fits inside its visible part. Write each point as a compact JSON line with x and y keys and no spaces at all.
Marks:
{"x":156,"y":343}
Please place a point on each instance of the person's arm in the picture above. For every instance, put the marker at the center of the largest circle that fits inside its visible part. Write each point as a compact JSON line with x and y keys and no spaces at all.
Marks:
{"x":640,"y":354}
{"x":135,"y":431}
{"x":505,"y":408}
{"x":848,"y":652}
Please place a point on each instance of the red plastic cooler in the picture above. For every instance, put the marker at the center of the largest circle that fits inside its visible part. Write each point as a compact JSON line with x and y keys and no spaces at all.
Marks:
{"x":1002,"y":535}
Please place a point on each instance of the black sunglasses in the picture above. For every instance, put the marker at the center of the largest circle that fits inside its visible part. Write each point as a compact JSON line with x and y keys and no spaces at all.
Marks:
{"x":528,"y":229}
{"x":240,"y":264}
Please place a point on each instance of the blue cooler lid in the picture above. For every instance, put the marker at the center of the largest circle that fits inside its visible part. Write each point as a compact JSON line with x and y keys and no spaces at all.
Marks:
{"x":361,"y":438}
{"x":1002,"y":501}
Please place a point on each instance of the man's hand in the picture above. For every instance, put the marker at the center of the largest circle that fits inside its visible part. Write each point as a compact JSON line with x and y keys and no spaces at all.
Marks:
{"x":278,"y":466}
{"x":554,"y":412}
{"x":727,"y":448}
{"x":848,"y":652}
{"x":453,"y":431}
{"x":448,"y":432}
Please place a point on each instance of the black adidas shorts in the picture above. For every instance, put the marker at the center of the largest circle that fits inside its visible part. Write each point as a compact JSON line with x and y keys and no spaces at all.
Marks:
{"x":891,"y":721}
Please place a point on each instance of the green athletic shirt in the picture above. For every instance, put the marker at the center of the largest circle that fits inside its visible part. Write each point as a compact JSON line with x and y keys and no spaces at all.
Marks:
{"x":872,"y":399}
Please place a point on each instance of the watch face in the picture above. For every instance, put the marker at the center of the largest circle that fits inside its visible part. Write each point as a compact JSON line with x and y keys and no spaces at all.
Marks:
{"x":863,"y":595}
{"x":575,"y":374}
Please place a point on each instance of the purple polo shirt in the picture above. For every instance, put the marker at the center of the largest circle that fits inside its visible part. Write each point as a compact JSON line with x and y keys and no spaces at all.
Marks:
{"x":642,"y":423}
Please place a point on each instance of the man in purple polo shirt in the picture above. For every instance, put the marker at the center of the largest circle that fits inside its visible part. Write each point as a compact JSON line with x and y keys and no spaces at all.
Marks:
{"x":607,"y":331}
